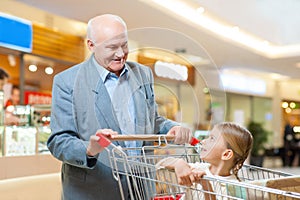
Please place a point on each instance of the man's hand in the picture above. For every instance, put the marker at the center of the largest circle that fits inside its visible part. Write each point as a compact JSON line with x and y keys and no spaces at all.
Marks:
{"x":94,"y":148}
{"x":182,"y":135}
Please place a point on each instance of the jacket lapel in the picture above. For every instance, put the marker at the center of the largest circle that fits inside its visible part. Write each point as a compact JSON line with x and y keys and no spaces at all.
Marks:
{"x":103,"y":106}
{"x":137,"y":86}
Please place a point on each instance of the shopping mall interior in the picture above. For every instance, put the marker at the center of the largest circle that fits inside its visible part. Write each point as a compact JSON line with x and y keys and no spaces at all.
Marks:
{"x":212,"y":61}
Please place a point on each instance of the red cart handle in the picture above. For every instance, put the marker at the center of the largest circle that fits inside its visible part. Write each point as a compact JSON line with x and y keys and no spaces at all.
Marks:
{"x":104,"y":141}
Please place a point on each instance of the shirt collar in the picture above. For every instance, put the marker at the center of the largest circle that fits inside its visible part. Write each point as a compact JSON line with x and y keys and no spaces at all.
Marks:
{"x":105,"y":74}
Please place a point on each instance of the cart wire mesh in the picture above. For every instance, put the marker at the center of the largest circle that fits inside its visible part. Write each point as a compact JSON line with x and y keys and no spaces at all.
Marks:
{"x":144,"y":181}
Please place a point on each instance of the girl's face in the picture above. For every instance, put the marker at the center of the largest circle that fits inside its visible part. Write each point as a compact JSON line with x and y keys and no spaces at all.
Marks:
{"x":213,"y":147}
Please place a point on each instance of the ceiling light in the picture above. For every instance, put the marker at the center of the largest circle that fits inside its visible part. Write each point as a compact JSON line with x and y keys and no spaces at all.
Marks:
{"x":296,"y":129}
{"x":277,"y":76}
{"x":245,"y":84}
{"x":293,"y":105}
{"x":205,"y":90}
{"x":32,"y":68}
{"x":265,"y":42}
{"x":49,"y":70}
{"x":285,"y":104}
{"x":236,"y":29}
{"x":171,"y":70}
{"x":184,"y":12}
{"x":200,"y":10}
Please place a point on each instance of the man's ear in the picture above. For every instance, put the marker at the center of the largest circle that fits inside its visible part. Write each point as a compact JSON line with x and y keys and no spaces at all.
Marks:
{"x":227,"y":154}
{"x":90,"y":44}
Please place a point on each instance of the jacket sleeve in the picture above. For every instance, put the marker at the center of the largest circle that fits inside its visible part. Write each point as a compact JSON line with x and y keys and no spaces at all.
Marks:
{"x":64,"y":142}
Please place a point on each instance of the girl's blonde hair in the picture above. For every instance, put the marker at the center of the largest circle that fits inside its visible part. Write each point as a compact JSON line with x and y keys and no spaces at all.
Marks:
{"x":239,"y":140}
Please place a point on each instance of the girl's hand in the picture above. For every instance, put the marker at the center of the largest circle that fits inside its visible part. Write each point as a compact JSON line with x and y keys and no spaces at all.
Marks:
{"x":198,"y":174}
{"x":183,"y":172}
{"x":206,"y":185}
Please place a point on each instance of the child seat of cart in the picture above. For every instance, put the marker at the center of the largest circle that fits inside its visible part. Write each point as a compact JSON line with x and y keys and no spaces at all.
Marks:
{"x":289,"y":184}
{"x":167,"y":190}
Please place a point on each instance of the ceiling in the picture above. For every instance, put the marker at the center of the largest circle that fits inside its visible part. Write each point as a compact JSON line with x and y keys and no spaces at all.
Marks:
{"x":277,"y":22}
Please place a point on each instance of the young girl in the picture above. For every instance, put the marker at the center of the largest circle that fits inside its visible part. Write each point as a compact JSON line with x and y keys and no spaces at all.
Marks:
{"x":224,"y":152}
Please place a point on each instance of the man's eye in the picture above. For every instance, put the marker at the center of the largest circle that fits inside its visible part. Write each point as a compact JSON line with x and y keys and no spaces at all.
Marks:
{"x":112,"y":47}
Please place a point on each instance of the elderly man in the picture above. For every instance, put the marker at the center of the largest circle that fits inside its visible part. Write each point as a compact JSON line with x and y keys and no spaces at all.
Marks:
{"x":104,"y":94}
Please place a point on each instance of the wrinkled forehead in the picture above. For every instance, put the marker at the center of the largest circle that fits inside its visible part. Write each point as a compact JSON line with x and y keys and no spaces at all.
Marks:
{"x":105,"y":32}
{"x":117,"y":39}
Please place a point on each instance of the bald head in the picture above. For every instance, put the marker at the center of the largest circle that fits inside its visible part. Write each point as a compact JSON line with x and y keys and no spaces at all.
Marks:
{"x":103,"y":27}
{"x":108,"y":41}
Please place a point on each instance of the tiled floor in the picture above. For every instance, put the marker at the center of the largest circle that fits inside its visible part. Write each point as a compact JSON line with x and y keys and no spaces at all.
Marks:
{"x":292,"y":170}
{"x":276,"y":164}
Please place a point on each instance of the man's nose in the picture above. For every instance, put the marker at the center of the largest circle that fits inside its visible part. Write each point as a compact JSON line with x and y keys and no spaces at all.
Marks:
{"x":119,"y":52}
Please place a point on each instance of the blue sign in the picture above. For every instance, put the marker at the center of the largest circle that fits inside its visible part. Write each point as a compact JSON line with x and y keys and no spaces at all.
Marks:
{"x":15,"y":33}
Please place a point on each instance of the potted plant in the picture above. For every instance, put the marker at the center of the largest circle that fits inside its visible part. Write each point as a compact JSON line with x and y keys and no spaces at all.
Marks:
{"x":260,"y":137}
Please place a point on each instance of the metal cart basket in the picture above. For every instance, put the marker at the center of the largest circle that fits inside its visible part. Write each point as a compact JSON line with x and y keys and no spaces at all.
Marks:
{"x":145,"y":182}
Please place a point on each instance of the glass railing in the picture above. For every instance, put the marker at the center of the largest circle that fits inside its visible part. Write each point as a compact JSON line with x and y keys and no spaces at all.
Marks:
{"x":30,"y":135}
{"x":24,"y":140}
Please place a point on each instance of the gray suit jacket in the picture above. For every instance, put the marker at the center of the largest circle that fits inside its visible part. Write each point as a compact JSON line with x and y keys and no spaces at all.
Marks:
{"x":80,"y":106}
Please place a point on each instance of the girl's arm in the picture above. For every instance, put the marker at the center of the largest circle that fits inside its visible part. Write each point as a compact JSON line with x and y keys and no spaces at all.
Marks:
{"x":206,"y":185}
{"x":182,"y":170}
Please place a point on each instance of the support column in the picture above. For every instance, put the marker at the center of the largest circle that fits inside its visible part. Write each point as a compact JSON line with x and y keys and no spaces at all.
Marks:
{"x":22,"y":78}
{"x":277,"y":139}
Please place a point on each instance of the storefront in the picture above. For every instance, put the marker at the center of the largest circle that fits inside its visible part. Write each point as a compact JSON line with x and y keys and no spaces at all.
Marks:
{"x":198,"y":101}
{"x":244,"y":108}
{"x":24,"y":127}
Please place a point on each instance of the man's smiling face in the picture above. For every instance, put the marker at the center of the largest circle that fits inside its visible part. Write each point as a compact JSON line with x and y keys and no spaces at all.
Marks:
{"x":112,"y":53}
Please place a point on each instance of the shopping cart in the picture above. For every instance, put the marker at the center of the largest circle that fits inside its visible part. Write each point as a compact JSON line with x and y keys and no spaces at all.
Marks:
{"x":145,"y":182}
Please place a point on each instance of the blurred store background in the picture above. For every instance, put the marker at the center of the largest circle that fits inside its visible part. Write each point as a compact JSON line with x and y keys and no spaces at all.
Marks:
{"x":213,"y":61}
